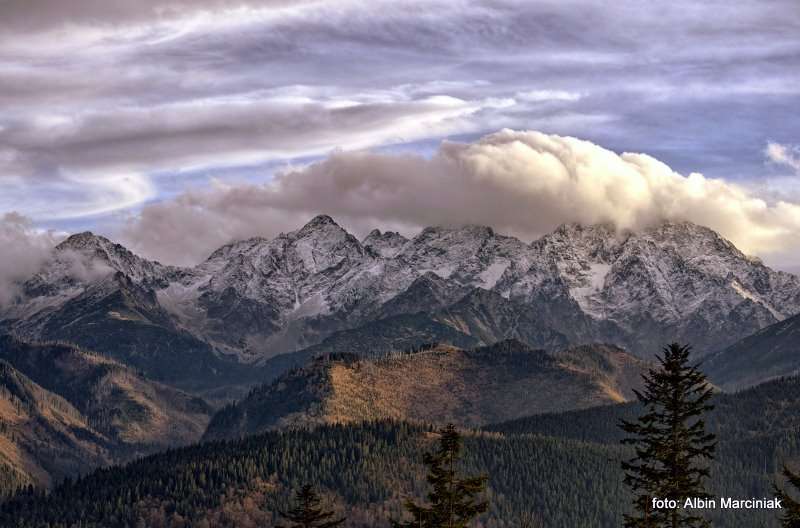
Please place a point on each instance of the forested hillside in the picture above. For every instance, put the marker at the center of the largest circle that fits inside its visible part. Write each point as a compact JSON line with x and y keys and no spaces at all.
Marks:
{"x":65,"y":410}
{"x":235,"y":484}
{"x":42,"y":436}
{"x":439,"y":384}
{"x":771,"y":352}
{"x":563,"y":467}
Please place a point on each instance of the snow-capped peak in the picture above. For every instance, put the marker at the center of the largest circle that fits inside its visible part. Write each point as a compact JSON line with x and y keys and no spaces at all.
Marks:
{"x":319,"y":222}
{"x":673,"y":280}
{"x":384,"y":244}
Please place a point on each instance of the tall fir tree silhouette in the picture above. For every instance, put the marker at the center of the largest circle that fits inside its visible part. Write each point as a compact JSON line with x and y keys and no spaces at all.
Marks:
{"x":791,"y":507}
{"x":453,"y":502}
{"x":307,"y":512}
{"x":671,"y":445}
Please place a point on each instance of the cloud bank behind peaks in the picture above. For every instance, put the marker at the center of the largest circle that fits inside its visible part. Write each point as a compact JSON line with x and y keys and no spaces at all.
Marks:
{"x":520,"y":182}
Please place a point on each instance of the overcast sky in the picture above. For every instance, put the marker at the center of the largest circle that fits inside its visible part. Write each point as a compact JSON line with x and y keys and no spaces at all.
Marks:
{"x":177,"y":125}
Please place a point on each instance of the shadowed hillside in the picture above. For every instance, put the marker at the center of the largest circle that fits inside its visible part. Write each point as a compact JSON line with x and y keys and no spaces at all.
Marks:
{"x":114,"y":413}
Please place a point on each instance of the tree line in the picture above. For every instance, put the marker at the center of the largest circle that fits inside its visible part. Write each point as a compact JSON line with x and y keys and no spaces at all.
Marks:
{"x":666,"y":453}
{"x":670,"y":466}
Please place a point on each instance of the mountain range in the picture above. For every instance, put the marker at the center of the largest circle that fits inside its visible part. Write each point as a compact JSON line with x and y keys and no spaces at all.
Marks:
{"x":257,"y":307}
{"x":772,"y":352}
{"x":108,"y":356}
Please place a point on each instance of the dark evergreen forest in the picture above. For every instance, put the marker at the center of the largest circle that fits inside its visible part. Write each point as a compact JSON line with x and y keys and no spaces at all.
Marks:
{"x":562,"y":467}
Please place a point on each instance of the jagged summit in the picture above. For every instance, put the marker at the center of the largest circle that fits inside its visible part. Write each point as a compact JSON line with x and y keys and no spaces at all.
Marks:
{"x":320,"y":220}
{"x":85,"y":257}
{"x":89,"y":242}
{"x":579,"y":229}
{"x":386,"y":244}
{"x":319,"y":226}
{"x":83,"y":240}
{"x":259,"y":297}
{"x":237,"y":247}
{"x":466,"y":231}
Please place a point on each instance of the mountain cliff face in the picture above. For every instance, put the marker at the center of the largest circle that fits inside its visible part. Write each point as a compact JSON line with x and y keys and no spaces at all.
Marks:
{"x":672,"y":282}
{"x":436,"y":385}
{"x":256,"y":299}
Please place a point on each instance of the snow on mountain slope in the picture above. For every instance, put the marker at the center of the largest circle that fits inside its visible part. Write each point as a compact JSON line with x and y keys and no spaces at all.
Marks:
{"x":471,"y":255}
{"x":385,"y":244}
{"x":256,"y":298}
{"x":257,"y":294}
{"x":290,"y":292}
{"x":76,"y":264}
{"x":673,"y":281}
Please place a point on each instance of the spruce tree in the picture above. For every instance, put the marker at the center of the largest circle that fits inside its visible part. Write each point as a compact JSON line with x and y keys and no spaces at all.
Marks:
{"x":307,"y":512}
{"x":672,"y":448}
{"x":530,"y":520}
{"x":453,"y":502}
{"x":791,"y":507}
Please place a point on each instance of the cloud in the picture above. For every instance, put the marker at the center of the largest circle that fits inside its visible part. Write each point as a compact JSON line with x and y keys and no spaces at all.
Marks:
{"x":215,"y":130}
{"x":786,"y":155}
{"x":537,"y":96}
{"x":107,"y":155}
{"x":39,"y":15}
{"x":520,"y":182}
{"x":24,"y":250}
{"x":82,"y":266}
{"x":107,"y":104}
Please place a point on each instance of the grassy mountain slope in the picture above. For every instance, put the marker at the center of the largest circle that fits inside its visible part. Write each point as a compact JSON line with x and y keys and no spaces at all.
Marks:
{"x":438,"y":385}
{"x":119,"y":401}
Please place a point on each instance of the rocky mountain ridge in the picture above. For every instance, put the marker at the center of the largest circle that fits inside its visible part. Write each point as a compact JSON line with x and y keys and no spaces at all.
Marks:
{"x":255,"y":299}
